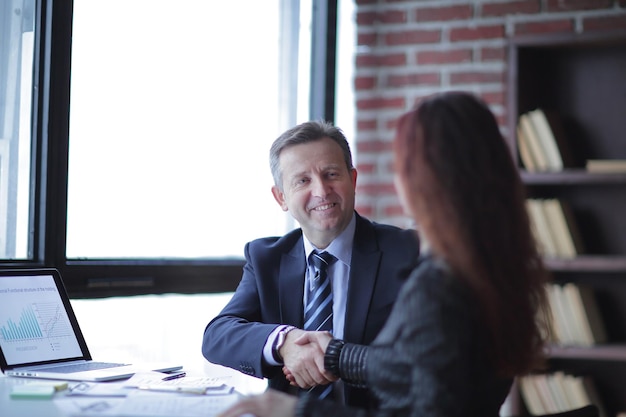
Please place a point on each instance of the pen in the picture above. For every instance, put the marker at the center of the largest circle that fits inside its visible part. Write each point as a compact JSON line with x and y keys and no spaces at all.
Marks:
{"x":174,"y":376}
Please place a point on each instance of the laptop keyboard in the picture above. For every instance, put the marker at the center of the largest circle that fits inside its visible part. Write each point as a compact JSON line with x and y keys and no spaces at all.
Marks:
{"x":87,"y":366}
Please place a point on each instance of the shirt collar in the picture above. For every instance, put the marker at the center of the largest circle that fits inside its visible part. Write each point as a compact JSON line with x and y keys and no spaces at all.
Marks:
{"x":340,"y":248}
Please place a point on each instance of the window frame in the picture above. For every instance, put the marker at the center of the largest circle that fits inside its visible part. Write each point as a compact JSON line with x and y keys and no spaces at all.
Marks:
{"x":50,"y":118}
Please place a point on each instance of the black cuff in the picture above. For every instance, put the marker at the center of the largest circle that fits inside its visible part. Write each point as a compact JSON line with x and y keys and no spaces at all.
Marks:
{"x":353,"y":364}
{"x":331,"y":356}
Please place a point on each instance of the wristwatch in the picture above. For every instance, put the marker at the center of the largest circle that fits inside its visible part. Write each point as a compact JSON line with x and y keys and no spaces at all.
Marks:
{"x":279,"y":342}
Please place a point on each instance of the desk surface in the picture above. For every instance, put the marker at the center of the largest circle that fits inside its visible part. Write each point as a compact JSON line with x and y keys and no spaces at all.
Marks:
{"x":10,"y":407}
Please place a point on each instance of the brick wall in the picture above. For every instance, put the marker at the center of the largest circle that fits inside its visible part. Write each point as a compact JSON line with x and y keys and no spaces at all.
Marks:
{"x":410,"y":49}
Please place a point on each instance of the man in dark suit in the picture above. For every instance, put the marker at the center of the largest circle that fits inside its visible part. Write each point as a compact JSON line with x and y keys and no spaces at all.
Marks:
{"x":256,"y":332}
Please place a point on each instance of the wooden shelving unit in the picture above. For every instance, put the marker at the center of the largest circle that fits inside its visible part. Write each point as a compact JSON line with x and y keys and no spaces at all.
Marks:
{"x":582,"y":79}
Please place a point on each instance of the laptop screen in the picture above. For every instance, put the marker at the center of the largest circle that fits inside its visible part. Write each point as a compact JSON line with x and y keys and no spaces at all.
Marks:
{"x":34,"y":323}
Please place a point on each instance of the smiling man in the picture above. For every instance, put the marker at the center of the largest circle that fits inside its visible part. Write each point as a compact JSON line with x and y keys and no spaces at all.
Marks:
{"x":256,"y":332}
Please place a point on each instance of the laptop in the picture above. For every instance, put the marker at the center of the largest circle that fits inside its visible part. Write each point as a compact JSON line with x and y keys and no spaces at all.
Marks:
{"x":40,"y":336}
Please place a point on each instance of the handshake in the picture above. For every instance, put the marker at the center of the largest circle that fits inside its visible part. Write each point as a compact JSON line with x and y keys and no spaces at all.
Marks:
{"x":303,"y":358}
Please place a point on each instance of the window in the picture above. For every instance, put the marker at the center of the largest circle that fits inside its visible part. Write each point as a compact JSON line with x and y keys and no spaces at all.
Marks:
{"x":138,"y":160}
{"x":16,"y":69}
{"x":172,"y":114}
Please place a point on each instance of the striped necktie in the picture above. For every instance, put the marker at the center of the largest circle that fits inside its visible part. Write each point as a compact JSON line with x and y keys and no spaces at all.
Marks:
{"x":318,"y":313}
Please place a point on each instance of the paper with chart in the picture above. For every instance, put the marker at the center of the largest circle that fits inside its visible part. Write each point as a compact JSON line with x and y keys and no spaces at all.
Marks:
{"x":147,"y":405}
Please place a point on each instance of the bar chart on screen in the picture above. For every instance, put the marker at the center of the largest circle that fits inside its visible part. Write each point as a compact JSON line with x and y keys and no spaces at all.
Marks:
{"x":37,"y":321}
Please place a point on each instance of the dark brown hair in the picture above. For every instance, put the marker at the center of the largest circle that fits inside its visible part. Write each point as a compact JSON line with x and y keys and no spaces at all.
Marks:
{"x":466,"y":195}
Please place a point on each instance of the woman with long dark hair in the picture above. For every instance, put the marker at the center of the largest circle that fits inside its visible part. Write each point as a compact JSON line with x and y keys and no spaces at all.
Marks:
{"x":466,"y":321}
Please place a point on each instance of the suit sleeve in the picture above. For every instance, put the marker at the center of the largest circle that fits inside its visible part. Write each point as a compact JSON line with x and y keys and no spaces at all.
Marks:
{"x":235,"y":338}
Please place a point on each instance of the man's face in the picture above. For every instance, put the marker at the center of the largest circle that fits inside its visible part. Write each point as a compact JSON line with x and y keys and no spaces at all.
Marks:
{"x":318,"y":189}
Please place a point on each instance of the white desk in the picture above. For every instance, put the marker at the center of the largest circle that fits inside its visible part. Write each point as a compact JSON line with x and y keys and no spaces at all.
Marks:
{"x":10,"y":407}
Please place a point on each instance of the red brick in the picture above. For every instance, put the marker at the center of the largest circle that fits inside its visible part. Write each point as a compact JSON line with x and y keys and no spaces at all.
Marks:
{"x":568,"y":5}
{"x":365,"y":2}
{"x":394,"y":210}
{"x":480,"y":32}
{"x":444,"y":57}
{"x":383,"y":60}
{"x":380,"y":103}
{"x":409,"y":37}
{"x":373,"y":146}
{"x":366,"y":168}
{"x":511,"y":7}
{"x":367,"y":39}
{"x":376,"y":189}
{"x":392,"y":122}
{"x":365,"y":210}
{"x":476,"y":77}
{"x":419,"y":98}
{"x":605,"y":23}
{"x":394,"y":16}
{"x":372,"y":17}
{"x":413,"y":79}
{"x":551,"y":26}
{"x":364,"y":83}
{"x":494,"y":98}
{"x":430,"y":14}
{"x":366,"y":18}
{"x":492,"y":54}
{"x":365,"y":125}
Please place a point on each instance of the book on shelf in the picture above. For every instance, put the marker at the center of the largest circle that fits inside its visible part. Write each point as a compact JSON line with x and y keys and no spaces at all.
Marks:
{"x":575,"y":390}
{"x":558,"y":392}
{"x":583,"y":302}
{"x":539,"y":225}
{"x":606,"y":165}
{"x":576,"y":318}
{"x":530,"y":396}
{"x":526,"y":156}
{"x":536,"y":152}
{"x":564,"y":327}
{"x":563,"y":228}
{"x":546,"y":138}
{"x":594,"y":395}
{"x":541,"y":136}
{"x":554,"y":228}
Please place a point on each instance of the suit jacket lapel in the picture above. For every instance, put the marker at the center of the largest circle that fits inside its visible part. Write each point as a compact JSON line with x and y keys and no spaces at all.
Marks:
{"x":363,"y":272}
{"x":291,"y":285}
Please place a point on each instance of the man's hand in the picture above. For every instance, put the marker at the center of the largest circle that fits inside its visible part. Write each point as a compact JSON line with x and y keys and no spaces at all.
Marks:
{"x":303,"y":357}
{"x":322,"y":339}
